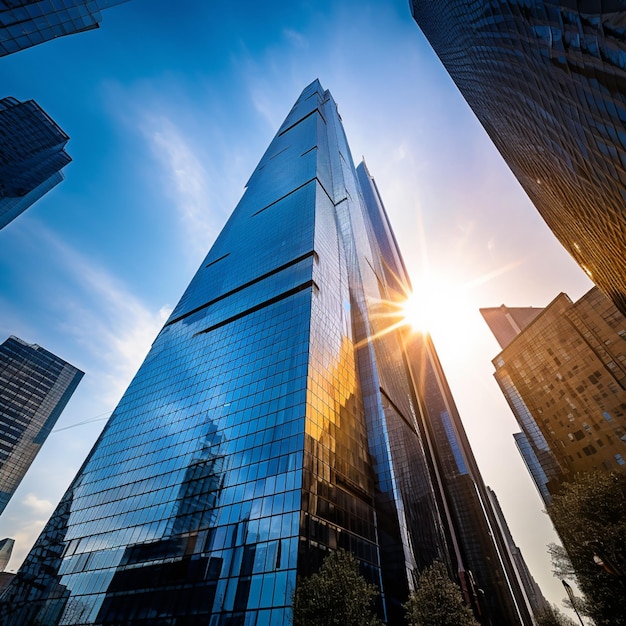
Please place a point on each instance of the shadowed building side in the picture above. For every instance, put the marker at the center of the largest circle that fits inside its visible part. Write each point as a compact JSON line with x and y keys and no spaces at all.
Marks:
{"x":35,"y":386}
{"x":537,"y":600}
{"x":32,"y":155}
{"x":27,"y":23}
{"x":489,"y":575}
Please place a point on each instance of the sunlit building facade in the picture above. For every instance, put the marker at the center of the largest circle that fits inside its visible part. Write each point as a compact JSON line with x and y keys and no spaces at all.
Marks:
{"x":564,"y":377}
{"x":547,"y":80}
{"x":273,"y":420}
{"x":26,"y":23}
{"x":32,"y":155}
{"x":35,"y":386}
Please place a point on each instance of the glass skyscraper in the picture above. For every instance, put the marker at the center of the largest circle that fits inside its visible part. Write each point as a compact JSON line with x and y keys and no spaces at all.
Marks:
{"x":274,"y":419}
{"x":26,"y":23}
{"x":35,"y":386}
{"x":32,"y":154}
{"x":547,"y":80}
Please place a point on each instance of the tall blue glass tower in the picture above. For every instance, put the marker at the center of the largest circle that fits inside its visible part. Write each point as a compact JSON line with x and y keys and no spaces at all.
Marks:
{"x":273,"y":420}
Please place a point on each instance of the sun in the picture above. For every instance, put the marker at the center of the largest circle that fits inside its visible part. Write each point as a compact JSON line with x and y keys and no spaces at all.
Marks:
{"x":432,"y":305}
{"x":416,"y":314}
{"x":436,"y":306}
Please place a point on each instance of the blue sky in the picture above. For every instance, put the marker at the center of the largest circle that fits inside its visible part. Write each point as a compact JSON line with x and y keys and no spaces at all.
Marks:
{"x":169,"y":107}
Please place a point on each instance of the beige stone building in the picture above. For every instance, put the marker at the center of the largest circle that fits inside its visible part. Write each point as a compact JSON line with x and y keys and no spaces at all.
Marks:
{"x":562,"y":370}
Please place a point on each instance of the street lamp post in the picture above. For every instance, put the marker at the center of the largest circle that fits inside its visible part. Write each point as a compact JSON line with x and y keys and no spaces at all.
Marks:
{"x":570,"y":595}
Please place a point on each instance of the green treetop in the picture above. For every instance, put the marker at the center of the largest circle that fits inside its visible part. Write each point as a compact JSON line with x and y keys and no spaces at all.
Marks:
{"x":337,"y":595}
{"x":437,"y":601}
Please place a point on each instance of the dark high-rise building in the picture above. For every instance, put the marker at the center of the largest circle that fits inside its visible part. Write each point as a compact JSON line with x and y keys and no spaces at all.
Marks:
{"x":482,"y":547}
{"x":26,"y":23}
{"x":274,"y":419}
{"x":563,"y":373}
{"x":536,"y":599}
{"x":484,"y":568}
{"x":35,"y":386}
{"x":32,"y":154}
{"x":5,"y":580}
{"x":547,"y":80}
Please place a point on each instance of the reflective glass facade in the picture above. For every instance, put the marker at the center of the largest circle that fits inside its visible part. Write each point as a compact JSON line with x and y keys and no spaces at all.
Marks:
{"x":32,"y":154}
{"x":26,"y":23}
{"x":533,"y":465}
{"x":487,"y":572}
{"x":35,"y":386}
{"x":547,"y":80}
{"x":275,"y":418}
{"x":536,"y":599}
{"x":564,"y":377}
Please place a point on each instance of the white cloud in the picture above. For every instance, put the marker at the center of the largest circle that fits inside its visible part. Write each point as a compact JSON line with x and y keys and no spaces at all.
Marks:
{"x":23,"y":521}
{"x":25,"y":537}
{"x":38,"y":506}
{"x":188,"y":182}
{"x":400,"y":152}
{"x":264,"y":101}
{"x":295,"y":38}
{"x":102,"y":314}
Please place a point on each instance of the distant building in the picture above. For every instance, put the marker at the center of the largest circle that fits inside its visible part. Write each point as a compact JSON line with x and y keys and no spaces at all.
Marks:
{"x":547,"y":80}
{"x":35,"y":386}
{"x":26,"y":23}
{"x":6,"y":548}
{"x":275,"y":419}
{"x":563,"y":373}
{"x":32,"y":154}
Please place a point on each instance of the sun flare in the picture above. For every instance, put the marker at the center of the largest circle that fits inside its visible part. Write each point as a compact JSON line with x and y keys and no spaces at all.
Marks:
{"x":430,"y":305}
{"x":437,"y":306}
{"x":416,"y":314}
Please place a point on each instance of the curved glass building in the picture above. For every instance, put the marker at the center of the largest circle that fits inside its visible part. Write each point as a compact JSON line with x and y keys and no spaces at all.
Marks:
{"x":547,"y":80}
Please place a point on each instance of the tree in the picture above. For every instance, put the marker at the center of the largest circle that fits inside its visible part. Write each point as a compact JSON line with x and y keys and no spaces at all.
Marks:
{"x":589,"y":513}
{"x":551,"y":616}
{"x":337,"y":595}
{"x":437,"y":601}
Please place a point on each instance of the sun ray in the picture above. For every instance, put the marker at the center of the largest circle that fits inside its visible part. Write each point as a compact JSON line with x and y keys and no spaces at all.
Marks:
{"x":485,"y":278}
{"x":431,"y":307}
